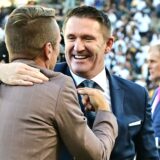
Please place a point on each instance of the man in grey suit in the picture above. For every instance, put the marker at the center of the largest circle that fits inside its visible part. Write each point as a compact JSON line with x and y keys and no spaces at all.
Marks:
{"x":34,"y":120}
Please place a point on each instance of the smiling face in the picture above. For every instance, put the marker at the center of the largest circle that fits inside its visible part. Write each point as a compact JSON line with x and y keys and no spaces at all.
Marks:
{"x":154,"y":63}
{"x":85,"y":46}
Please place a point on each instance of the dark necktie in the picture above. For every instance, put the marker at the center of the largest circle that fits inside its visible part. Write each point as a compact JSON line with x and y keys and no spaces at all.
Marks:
{"x":90,"y":84}
{"x":89,"y":114}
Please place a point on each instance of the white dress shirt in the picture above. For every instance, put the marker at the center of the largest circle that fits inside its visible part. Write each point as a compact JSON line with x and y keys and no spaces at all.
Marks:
{"x":100,"y":79}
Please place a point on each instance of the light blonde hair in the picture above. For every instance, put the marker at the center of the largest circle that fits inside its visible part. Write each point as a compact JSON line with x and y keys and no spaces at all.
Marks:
{"x":28,"y":29}
{"x":155,"y":46}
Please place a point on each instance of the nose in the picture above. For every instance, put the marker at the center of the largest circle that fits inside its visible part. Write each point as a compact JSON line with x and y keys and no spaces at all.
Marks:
{"x":149,"y":64}
{"x":79,"y":45}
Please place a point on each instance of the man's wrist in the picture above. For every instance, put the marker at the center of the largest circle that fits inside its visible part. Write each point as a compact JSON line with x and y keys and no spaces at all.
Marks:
{"x":105,"y":108}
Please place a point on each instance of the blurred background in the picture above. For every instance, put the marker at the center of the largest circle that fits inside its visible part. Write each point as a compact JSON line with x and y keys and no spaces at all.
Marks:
{"x":135,"y":23}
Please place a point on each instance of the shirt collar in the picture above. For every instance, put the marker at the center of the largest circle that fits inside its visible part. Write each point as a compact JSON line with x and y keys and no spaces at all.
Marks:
{"x":100,"y":79}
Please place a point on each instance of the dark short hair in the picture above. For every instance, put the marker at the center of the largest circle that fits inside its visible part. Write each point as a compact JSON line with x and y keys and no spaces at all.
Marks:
{"x":92,"y":13}
{"x":28,"y":29}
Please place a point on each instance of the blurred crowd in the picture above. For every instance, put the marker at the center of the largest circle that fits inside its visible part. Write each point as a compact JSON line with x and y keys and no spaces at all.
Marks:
{"x":135,"y":25}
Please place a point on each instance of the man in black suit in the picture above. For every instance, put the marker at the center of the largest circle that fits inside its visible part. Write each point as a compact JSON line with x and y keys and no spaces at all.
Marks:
{"x":88,"y":37}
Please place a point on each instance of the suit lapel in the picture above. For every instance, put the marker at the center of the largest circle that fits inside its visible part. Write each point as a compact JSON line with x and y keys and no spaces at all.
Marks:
{"x":117,"y":96}
{"x":68,"y":73}
{"x":116,"y":93}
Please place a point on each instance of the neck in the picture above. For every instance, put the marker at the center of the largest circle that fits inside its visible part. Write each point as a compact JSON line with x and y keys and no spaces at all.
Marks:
{"x":40,"y":62}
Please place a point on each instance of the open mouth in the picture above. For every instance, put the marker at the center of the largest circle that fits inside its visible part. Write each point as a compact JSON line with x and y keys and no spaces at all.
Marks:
{"x":80,"y":57}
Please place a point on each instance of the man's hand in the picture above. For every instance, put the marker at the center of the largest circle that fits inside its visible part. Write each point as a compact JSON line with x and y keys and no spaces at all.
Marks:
{"x":20,"y":74}
{"x":94,"y":98}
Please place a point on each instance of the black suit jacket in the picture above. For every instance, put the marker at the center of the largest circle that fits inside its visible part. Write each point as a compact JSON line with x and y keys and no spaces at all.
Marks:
{"x":130,"y":105}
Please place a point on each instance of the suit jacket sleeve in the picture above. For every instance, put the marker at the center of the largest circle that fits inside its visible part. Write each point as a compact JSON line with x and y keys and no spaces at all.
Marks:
{"x":156,"y":125}
{"x":156,"y":121}
{"x":146,"y":141}
{"x":81,"y":141}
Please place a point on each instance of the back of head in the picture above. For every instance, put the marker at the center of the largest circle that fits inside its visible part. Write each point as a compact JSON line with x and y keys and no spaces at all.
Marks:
{"x":91,"y":13}
{"x":28,"y":29}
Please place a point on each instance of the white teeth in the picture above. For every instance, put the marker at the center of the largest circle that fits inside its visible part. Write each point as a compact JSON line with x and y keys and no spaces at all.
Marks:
{"x":80,"y":57}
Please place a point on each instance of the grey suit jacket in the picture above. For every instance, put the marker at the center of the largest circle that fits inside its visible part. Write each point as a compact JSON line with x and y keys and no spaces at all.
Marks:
{"x":35,"y":119}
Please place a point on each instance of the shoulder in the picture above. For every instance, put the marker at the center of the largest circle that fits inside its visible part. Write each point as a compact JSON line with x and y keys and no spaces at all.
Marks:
{"x":135,"y":96}
{"x":127,"y":84}
{"x":62,"y":80}
{"x":57,"y":80}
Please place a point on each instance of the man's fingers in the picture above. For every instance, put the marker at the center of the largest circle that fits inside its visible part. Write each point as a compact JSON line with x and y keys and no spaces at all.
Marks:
{"x":22,"y":74}
{"x":28,"y":78}
{"x":36,"y":76}
{"x":96,"y":98}
{"x":84,"y":91}
{"x":86,"y":102}
{"x":88,"y":107}
{"x":31,"y":68}
{"x":85,"y":99}
{"x":33,"y":73}
{"x":21,"y":83}
{"x":25,"y":80}
{"x":89,"y":91}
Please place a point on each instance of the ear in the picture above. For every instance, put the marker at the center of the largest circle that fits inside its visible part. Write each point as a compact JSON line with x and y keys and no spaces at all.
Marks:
{"x":48,"y":50}
{"x":109,"y":44}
